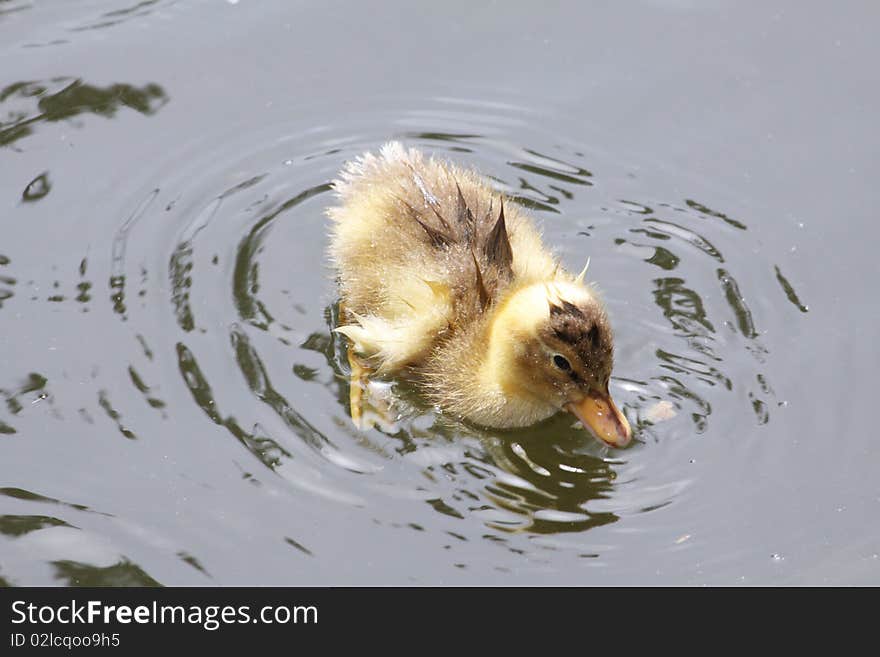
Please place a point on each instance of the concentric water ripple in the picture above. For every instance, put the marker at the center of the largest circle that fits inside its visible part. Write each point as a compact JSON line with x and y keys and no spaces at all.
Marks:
{"x":223,"y":306}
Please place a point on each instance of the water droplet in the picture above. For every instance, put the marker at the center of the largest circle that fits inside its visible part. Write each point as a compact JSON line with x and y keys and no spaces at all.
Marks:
{"x":777,"y":557}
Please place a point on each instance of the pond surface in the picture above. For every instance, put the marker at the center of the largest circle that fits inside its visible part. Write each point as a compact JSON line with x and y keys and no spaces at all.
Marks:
{"x":174,"y":403}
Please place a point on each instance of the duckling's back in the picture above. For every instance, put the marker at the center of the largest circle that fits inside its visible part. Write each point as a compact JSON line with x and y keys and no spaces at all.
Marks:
{"x":422,"y":249}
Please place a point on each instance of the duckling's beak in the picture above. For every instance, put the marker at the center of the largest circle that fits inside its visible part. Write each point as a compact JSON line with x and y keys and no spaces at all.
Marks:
{"x":602,"y":418}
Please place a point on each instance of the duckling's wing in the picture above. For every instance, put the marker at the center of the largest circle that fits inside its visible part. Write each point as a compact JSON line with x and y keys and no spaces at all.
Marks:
{"x":403,"y":329}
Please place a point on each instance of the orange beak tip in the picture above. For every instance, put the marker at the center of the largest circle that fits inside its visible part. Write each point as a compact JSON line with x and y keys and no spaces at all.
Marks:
{"x":603,"y":419}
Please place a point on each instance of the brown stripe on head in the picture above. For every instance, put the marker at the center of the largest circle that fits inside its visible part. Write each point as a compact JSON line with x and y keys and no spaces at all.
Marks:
{"x":585,"y":329}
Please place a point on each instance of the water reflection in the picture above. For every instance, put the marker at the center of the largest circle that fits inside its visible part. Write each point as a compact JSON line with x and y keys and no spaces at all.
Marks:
{"x":9,"y":8}
{"x":18,"y":525}
{"x":114,"y":415}
{"x":40,"y":101}
{"x":118,"y":16}
{"x":180,"y":264}
{"x":37,"y":188}
{"x":790,"y":294}
{"x":687,"y":312}
{"x":152,"y":400}
{"x":190,"y":560}
{"x":682,"y":306}
{"x":267,"y":451}
{"x":34,"y":388}
{"x":76,"y":557}
{"x":6,"y":281}
{"x":659,"y":229}
{"x":258,"y":381}
{"x":548,"y":197}
{"x":246,"y":276}
{"x":73,"y":556}
{"x":30,"y":496}
{"x":555,"y":483}
{"x":737,"y":303}
{"x":699,"y":207}
{"x":123,"y":573}
{"x":299,"y":546}
{"x":118,"y":249}
{"x":550,"y":167}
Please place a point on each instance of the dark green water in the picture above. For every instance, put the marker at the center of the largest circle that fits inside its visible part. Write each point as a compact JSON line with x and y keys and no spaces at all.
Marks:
{"x":175,"y":405}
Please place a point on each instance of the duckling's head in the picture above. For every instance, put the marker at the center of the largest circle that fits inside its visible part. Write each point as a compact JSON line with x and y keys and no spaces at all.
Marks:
{"x":551,"y":342}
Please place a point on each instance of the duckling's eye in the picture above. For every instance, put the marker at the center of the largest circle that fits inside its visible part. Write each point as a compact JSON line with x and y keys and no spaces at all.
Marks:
{"x":562,"y":363}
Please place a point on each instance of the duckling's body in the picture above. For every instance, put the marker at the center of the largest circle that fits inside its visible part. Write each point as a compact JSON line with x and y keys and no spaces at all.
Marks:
{"x":442,"y":278}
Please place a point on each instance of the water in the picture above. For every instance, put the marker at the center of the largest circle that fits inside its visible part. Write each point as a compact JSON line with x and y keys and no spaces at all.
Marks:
{"x":175,"y":404}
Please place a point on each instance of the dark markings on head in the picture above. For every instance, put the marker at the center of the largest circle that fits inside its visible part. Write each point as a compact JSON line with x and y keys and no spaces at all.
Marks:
{"x":582,"y":330}
{"x":565,"y":318}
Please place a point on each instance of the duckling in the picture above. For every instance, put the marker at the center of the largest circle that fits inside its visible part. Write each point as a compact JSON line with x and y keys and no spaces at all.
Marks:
{"x":445,"y":281}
